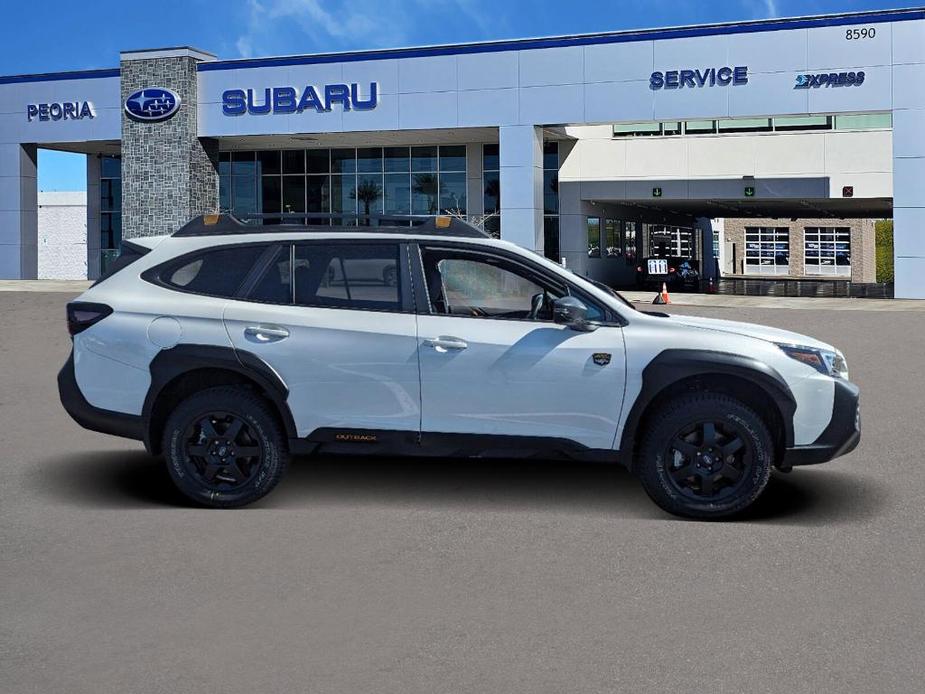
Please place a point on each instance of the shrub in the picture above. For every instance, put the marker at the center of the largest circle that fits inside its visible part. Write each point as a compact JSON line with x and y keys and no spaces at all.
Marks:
{"x":884,"y":241}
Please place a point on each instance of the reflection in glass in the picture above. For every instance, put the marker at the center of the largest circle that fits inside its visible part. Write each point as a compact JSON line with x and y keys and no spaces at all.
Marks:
{"x":453,"y":158}
{"x":318,"y":194}
{"x":293,"y":193}
{"x":424,"y":193}
{"x":491,"y":181}
{"x":369,"y":159}
{"x":268,"y":162}
{"x":551,"y":192}
{"x":612,"y":238}
{"x":318,"y":161}
{"x":224,"y":163}
{"x":343,"y":198}
{"x":490,"y":158}
{"x":343,"y":161}
{"x":397,"y":159}
{"x":551,"y":155}
{"x":294,"y":161}
{"x":224,"y":193}
{"x":453,"y":192}
{"x":244,"y":190}
{"x":397,"y":194}
{"x":243,"y":163}
{"x":270,"y":194}
{"x":629,"y":241}
{"x":551,"y":238}
{"x":395,"y":180}
{"x":110,"y":230}
{"x":594,"y":237}
{"x":423,"y":158}
{"x":368,"y":194}
{"x":110,"y":167}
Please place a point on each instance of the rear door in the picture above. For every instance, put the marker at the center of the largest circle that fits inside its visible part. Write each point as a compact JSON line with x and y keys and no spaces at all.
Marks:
{"x":335,"y":320}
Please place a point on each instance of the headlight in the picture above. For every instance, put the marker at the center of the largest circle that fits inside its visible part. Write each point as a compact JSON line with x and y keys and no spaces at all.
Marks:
{"x":822,"y":360}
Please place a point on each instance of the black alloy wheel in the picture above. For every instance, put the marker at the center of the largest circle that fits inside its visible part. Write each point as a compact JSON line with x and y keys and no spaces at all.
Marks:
{"x":222,"y":451}
{"x":225,"y":447}
{"x":705,"y":455}
{"x":709,"y":460}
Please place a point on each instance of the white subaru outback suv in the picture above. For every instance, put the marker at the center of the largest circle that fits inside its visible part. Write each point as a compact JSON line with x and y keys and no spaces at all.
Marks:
{"x":227,"y":347}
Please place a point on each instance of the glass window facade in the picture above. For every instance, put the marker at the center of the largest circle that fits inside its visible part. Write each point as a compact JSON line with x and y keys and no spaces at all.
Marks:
{"x":355,"y":182}
{"x":612,"y":238}
{"x":110,"y":210}
{"x":594,"y":237}
{"x":671,"y":242}
{"x":551,"y":200}
{"x":767,"y":250}
{"x":862,"y":121}
{"x":827,"y":251}
{"x":491,"y":188}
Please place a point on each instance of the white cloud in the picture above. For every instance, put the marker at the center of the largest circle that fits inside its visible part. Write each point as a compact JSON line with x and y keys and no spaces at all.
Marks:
{"x":331,"y":25}
{"x":770,"y":7}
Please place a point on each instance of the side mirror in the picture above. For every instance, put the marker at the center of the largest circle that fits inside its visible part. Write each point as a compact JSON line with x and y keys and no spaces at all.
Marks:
{"x":573,"y":313}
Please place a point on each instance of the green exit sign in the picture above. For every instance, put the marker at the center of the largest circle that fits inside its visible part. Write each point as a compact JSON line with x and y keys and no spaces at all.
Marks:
{"x":656,"y":192}
{"x":749,"y":191}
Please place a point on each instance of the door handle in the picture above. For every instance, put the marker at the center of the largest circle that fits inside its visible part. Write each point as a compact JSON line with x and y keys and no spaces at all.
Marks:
{"x":265,"y":333}
{"x":446,"y":343}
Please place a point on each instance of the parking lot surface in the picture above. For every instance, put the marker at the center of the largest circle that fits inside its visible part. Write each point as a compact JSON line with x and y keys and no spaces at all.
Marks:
{"x":431,"y":576}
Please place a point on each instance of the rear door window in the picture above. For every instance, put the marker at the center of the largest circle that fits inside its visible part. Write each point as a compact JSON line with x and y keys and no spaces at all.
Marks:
{"x":272,"y":280}
{"x":348,"y":275}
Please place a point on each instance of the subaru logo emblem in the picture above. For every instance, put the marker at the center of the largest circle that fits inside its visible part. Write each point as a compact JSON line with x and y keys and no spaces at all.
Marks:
{"x":152,"y":104}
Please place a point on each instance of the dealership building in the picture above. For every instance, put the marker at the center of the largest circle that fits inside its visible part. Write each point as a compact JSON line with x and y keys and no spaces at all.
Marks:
{"x":760,"y":149}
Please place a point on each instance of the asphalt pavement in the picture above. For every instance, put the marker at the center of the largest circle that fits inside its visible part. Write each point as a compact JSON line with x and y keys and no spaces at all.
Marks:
{"x":458,"y":576}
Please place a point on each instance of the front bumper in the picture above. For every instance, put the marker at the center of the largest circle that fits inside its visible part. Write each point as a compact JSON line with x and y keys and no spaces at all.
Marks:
{"x":94,"y":418}
{"x":841,"y":436}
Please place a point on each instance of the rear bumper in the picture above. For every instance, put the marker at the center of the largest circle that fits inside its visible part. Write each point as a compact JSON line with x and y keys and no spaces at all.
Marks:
{"x":90,"y":417}
{"x":841,"y":436}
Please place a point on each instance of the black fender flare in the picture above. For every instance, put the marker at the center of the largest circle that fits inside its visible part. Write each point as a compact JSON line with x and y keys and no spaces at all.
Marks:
{"x":168,"y":364}
{"x":674,"y":365}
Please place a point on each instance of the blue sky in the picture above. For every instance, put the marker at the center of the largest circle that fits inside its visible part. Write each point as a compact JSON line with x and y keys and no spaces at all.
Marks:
{"x":85,"y":34}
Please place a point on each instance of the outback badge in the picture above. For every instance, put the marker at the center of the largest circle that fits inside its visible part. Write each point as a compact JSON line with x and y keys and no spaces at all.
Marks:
{"x":601,"y":358}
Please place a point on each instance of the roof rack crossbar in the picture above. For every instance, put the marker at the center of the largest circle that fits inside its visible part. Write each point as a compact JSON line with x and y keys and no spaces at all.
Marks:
{"x":323,"y":222}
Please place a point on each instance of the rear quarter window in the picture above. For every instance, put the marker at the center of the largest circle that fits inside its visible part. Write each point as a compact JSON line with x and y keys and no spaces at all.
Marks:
{"x":217,"y":272}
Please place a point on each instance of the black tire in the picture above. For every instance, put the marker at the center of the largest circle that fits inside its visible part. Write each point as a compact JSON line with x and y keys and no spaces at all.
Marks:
{"x":224,"y":447}
{"x":690,"y":473}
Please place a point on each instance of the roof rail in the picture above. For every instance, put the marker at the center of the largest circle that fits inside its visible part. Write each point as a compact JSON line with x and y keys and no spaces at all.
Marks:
{"x":318,"y":222}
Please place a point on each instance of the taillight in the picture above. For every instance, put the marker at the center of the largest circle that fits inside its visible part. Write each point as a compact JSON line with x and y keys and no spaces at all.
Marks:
{"x":639,"y":268}
{"x":81,"y":315}
{"x":670,"y":270}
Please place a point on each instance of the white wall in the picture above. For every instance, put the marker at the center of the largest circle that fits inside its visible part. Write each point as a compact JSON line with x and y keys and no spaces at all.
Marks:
{"x":62,"y":237}
{"x":863,"y":159}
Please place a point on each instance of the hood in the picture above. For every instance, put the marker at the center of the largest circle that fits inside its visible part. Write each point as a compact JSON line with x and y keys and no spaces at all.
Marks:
{"x":761,"y":332}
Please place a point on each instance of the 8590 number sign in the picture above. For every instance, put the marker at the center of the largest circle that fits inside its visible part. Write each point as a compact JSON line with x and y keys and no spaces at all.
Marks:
{"x":863,"y":33}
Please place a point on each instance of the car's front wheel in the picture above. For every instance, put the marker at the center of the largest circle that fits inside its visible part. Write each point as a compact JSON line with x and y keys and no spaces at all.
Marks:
{"x":705,"y":455}
{"x":224,"y":447}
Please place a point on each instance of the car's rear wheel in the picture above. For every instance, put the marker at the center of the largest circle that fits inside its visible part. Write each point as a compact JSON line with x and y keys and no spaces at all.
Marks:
{"x":224,"y":447}
{"x":705,"y":455}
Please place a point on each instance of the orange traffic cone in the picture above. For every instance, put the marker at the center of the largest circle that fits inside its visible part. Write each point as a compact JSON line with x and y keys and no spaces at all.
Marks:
{"x":662,"y":298}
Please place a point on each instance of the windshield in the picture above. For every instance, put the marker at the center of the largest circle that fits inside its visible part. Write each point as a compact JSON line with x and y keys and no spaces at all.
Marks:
{"x":612,"y":292}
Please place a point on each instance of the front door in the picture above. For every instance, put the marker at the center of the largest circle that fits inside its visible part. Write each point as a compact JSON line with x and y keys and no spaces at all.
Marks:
{"x":338,"y":327}
{"x":494,"y":363}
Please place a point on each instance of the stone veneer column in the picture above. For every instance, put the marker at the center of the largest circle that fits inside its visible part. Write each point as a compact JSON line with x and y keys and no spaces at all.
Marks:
{"x":169,"y":173}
